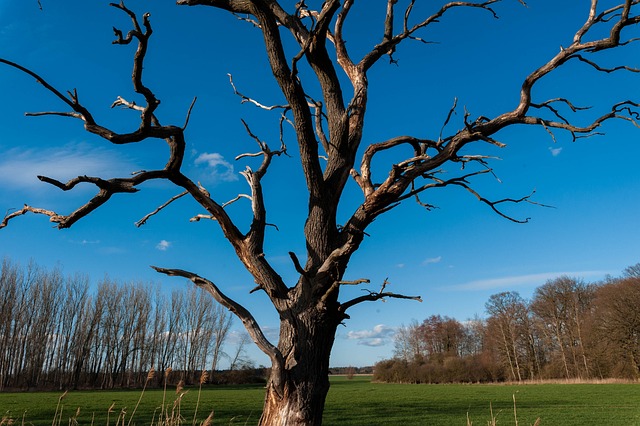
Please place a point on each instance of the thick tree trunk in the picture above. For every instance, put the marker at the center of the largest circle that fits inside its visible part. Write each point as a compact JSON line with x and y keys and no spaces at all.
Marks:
{"x":304,"y":382}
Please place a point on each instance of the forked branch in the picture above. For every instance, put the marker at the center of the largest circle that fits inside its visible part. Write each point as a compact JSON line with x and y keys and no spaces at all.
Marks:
{"x":374,"y":296}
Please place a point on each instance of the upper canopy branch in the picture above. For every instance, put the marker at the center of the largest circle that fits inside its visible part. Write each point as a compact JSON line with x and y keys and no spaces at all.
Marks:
{"x":389,"y":41}
{"x":363,"y":178}
{"x":620,"y":16}
{"x":402,"y":175}
{"x":138,"y":59}
{"x":255,"y":236}
{"x":79,"y":111}
{"x":149,"y":128}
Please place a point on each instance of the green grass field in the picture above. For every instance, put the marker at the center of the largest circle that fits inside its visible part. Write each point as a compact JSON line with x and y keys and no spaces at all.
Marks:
{"x":357,"y":402}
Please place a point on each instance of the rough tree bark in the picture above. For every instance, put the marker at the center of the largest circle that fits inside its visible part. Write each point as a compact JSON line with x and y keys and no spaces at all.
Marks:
{"x":329,"y":133}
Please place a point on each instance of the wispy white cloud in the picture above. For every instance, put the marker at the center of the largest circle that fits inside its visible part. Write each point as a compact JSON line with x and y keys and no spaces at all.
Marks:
{"x":219,"y":168}
{"x":431,"y":260}
{"x":112,"y":250}
{"x":555,"y":151}
{"x":163,"y":245}
{"x":380,"y":335}
{"x":85,"y":242}
{"x":20,"y":167}
{"x":511,"y":282}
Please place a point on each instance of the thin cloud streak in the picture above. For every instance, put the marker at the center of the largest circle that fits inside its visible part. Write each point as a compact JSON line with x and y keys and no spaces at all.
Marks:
{"x":20,"y":168}
{"x":432,"y":260}
{"x":520,"y":280}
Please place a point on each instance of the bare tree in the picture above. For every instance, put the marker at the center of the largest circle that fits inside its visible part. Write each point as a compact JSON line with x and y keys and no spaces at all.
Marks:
{"x":561,"y":307}
{"x":195,"y":335}
{"x":408,"y":342}
{"x":632,"y":271}
{"x":220,"y":323}
{"x":239,"y":359}
{"x":329,"y":136}
{"x":510,"y":328}
{"x":617,"y":325}
{"x":442,"y":335}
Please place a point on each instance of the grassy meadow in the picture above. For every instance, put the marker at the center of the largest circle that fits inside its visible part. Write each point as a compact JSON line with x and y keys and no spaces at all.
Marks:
{"x":350,"y":402}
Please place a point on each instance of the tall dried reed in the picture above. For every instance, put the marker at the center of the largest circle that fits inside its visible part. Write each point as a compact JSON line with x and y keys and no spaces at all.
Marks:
{"x":150,"y":376}
{"x":167,"y":372}
{"x":203,"y":379}
{"x":57,"y":417}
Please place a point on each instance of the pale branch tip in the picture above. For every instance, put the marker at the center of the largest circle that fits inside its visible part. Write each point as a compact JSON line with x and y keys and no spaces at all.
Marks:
{"x":198,"y":217}
{"x":245,"y":99}
{"x":248,"y":19}
{"x":355,"y":282}
{"x":120,"y":101}
{"x":237,"y":198}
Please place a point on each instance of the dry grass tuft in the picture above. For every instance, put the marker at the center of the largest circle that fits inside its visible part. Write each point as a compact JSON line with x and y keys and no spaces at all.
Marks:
{"x":180,"y":387}
{"x":493,"y":418}
{"x":208,"y":421}
{"x":6,"y":420}
{"x":204,"y":377}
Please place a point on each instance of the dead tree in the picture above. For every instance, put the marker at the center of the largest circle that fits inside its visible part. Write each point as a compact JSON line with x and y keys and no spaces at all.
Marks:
{"x":329,"y":134}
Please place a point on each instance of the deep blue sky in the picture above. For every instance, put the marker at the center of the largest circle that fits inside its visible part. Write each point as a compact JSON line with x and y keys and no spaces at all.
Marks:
{"x":455,"y":257}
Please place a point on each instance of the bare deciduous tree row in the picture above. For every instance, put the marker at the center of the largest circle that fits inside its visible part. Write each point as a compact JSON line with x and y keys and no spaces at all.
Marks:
{"x":568,"y":330}
{"x":56,"y":332}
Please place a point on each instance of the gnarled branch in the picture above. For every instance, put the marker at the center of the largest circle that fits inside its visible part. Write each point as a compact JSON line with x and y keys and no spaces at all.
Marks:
{"x":249,"y":322}
{"x":374,"y":296}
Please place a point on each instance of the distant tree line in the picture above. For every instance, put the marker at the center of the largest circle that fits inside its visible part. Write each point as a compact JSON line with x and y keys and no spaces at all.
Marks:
{"x":58,"y":331}
{"x":568,"y":330}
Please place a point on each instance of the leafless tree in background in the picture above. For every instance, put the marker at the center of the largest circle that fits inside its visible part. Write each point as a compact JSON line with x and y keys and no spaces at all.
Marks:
{"x":57,"y":333}
{"x":409,"y":343}
{"x":507,"y":325}
{"x":329,"y":136}
{"x":561,"y":308}
{"x":239,"y":358}
{"x":617,"y":326}
{"x":222,"y":321}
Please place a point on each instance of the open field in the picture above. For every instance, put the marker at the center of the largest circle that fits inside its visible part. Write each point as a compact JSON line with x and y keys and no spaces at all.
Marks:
{"x":357,"y":402}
